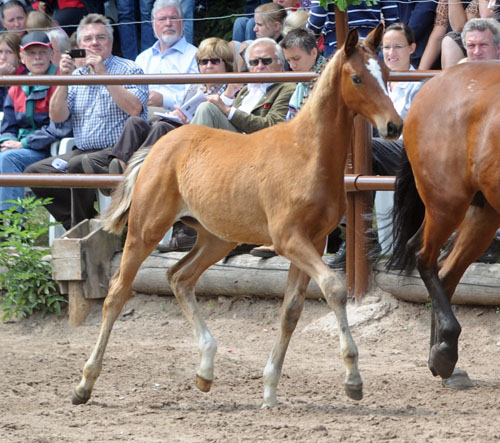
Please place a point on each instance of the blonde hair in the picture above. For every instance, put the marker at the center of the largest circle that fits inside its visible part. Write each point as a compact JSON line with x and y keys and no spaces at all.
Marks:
{"x":294,"y":20}
{"x":39,"y":21}
{"x":216,"y":47}
{"x":271,"y":13}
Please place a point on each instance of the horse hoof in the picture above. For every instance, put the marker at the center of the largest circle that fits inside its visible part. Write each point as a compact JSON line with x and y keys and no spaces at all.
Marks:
{"x":354,"y":392}
{"x":77,"y":400}
{"x":459,"y":380}
{"x":439,"y":364}
{"x":203,"y":384}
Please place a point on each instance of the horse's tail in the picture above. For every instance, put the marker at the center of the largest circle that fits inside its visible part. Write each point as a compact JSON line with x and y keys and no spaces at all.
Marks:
{"x":407,"y":216}
{"x":115,"y":217}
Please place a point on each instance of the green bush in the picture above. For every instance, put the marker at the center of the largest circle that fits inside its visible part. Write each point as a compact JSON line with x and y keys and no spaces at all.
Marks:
{"x":26,"y":283}
{"x":206,"y":26}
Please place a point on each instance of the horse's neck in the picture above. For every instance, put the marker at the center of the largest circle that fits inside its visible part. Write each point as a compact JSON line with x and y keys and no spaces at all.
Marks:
{"x":325,"y":119}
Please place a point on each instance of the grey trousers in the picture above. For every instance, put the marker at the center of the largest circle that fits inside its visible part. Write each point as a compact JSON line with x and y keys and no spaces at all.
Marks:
{"x":208,"y":114}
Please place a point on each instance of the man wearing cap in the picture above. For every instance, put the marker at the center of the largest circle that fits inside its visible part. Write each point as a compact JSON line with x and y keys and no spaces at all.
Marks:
{"x":26,"y":131}
{"x":97,"y":114}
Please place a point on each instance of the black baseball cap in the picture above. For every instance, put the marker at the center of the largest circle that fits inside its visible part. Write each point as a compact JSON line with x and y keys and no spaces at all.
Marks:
{"x":35,"y":38}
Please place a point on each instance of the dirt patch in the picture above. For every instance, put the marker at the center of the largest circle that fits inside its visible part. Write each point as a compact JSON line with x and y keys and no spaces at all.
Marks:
{"x":146,"y":390}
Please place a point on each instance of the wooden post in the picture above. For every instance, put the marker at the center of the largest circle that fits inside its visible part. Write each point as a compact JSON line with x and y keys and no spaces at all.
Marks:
{"x":363,"y":204}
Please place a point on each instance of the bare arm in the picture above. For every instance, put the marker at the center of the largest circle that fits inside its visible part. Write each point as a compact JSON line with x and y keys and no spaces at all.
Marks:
{"x":433,"y":48}
{"x":457,"y":15}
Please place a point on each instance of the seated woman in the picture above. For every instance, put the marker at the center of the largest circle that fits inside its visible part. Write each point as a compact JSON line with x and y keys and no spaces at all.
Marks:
{"x":10,"y":62}
{"x":26,"y":130}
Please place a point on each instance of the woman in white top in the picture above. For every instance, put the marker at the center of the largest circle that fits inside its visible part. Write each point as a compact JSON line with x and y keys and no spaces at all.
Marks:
{"x":398,"y":45}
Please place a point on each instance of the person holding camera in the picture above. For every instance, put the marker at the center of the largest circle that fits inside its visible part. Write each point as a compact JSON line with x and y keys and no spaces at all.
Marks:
{"x":97,"y":114}
{"x":26,"y":130}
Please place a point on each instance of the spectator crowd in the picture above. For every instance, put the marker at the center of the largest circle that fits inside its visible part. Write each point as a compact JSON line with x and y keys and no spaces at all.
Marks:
{"x":109,"y":123}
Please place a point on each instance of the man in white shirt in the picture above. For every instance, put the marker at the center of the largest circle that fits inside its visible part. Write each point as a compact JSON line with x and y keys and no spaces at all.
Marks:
{"x":171,"y":54}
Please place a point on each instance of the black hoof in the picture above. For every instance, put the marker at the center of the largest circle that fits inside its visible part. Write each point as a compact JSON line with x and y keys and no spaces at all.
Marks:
{"x":355,"y":392}
{"x":77,"y":400}
{"x":439,"y":363}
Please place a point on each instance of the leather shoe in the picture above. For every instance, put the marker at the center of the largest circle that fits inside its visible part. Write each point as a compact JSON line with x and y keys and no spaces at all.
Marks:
{"x":263,"y":252}
{"x":337,"y":260}
{"x":491,"y":254}
{"x":181,"y":243}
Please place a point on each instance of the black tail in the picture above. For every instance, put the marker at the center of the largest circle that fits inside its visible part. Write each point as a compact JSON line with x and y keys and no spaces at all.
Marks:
{"x":407,"y":216}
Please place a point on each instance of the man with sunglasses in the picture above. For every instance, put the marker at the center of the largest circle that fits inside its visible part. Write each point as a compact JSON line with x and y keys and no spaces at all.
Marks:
{"x":255,"y":106}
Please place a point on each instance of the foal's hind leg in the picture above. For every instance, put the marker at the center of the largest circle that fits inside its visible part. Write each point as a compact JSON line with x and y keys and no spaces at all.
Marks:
{"x":290,"y":313}
{"x":141,"y":241}
{"x":182,"y":278}
{"x":120,"y":291}
{"x":307,"y":258}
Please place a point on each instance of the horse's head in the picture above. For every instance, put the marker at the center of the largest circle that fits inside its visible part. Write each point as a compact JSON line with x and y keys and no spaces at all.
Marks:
{"x":364,"y":83}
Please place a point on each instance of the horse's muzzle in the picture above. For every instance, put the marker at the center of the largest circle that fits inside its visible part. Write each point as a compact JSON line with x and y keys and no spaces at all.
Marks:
{"x":393,"y":130}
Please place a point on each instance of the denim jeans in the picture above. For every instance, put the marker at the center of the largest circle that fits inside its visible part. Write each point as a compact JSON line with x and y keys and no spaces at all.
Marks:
{"x":15,"y":160}
{"x":243,"y":29}
{"x":128,"y":32}
{"x":188,"y":13}
{"x":147,"y":35}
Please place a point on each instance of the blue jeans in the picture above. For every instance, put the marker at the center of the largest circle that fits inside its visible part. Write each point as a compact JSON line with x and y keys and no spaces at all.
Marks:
{"x":188,"y":13}
{"x":128,"y":32}
{"x":243,"y":29}
{"x":148,"y":38}
{"x":16,"y":160}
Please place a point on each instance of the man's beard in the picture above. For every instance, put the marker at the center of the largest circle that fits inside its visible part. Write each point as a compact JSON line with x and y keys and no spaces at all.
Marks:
{"x":170,"y":40}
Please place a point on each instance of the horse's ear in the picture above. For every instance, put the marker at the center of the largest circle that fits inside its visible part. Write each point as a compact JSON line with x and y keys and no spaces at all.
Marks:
{"x":351,"y":42}
{"x":374,"y":38}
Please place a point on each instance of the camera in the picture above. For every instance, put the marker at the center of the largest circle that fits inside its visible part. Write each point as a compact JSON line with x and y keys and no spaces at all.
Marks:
{"x":77,"y":53}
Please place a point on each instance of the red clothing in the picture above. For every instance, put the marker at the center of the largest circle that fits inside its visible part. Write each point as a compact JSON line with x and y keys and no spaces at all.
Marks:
{"x":62,"y":4}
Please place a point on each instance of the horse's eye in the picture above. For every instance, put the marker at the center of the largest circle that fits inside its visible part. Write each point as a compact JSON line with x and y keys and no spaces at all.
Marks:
{"x":356,"y":79}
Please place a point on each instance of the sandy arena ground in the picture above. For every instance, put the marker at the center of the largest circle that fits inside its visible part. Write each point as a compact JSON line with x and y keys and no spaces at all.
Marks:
{"x":146,"y":390}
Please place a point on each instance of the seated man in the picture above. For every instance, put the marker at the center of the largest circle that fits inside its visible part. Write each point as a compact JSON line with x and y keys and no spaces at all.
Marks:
{"x":257,"y":105}
{"x":26,"y":131}
{"x":253,"y":107}
{"x":97,"y":114}
{"x":171,"y":54}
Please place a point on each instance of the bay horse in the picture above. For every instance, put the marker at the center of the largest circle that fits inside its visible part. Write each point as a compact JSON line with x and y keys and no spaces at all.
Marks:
{"x":449,"y":181}
{"x":283,"y":185}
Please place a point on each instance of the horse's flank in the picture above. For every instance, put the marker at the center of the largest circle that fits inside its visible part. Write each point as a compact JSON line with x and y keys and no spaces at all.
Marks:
{"x":223,"y":176}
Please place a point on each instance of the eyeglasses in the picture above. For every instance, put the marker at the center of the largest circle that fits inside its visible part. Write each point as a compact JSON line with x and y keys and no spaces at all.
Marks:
{"x":265,"y":61}
{"x":100,"y":38}
{"x":214,"y":61}
{"x":395,"y":47}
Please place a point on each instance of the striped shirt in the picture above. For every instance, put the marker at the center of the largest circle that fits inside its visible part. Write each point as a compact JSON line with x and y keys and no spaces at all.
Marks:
{"x":96,"y":119}
{"x":361,"y":17}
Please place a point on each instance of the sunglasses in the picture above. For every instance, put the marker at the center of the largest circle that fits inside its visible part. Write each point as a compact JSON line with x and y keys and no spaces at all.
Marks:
{"x":265,"y":61}
{"x":214,"y":61}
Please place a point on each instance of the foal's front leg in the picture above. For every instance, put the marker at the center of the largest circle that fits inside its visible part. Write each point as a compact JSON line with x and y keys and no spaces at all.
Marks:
{"x":309,"y":261}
